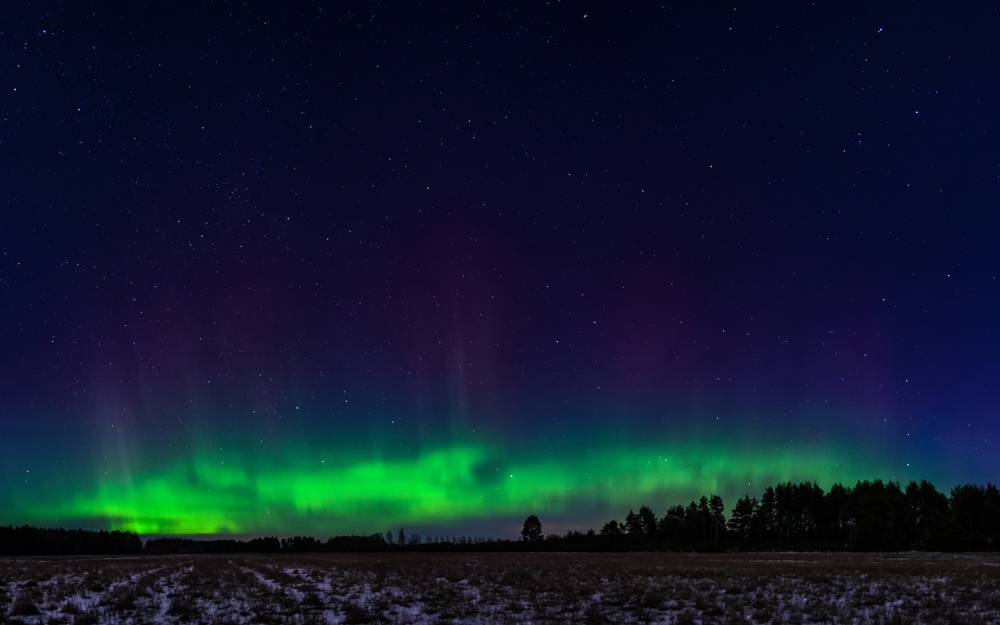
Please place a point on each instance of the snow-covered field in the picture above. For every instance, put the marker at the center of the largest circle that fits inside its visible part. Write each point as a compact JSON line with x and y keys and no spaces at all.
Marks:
{"x":504,"y":588}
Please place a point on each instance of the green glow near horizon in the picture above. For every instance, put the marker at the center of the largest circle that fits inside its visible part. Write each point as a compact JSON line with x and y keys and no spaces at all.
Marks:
{"x":448,"y":485}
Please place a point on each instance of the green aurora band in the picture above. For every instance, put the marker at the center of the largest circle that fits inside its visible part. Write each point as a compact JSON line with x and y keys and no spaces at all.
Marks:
{"x":445,"y":486}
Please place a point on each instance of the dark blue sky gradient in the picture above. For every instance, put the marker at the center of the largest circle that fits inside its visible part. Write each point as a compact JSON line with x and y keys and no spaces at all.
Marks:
{"x":504,"y":216}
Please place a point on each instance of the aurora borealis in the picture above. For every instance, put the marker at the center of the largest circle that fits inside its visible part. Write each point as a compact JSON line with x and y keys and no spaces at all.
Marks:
{"x":342,"y":268}
{"x":208,"y":494}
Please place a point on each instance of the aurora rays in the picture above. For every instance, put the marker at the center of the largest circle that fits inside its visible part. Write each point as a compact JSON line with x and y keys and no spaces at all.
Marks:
{"x":348,"y":268}
{"x":215,"y":493}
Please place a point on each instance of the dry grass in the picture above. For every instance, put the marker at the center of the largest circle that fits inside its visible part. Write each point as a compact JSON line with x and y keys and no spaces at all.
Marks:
{"x":503,"y":588}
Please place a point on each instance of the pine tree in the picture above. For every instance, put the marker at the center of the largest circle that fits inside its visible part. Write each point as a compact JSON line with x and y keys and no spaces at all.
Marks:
{"x":532,"y":530}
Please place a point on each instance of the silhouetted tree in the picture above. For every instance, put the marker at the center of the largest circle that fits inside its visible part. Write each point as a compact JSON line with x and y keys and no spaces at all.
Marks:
{"x":532,"y":529}
{"x":633,"y":525}
{"x":694,"y":526}
{"x":671,"y":526}
{"x":743,"y":518}
{"x":768,"y":505}
{"x":717,"y":511}
{"x":928,"y":510}
{"x":969,"y":513}
{"x":877,"y":508}
{"x":705,"y":517}
{"x":647,"y":523}
{"x":838,"y":504}
{"x":992,"y":526}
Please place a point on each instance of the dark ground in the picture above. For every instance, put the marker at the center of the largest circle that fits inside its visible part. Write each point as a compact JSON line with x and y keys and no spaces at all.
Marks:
{"x":505,"y":588}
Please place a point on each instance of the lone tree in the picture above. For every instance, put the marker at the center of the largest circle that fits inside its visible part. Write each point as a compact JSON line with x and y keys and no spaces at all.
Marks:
{"x":532,"y":529}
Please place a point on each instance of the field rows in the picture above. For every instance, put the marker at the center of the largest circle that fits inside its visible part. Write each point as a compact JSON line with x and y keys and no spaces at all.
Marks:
{"x":498,"y":588}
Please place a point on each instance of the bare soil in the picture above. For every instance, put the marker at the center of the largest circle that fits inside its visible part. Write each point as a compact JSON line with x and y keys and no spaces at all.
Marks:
{"x":504,"y":588}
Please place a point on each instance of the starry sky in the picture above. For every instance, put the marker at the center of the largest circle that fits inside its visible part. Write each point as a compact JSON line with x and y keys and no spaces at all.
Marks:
{"x":345,"y":267}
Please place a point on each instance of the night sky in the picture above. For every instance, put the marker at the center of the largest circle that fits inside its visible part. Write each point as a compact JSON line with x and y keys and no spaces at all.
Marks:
{"x":349,"y":267}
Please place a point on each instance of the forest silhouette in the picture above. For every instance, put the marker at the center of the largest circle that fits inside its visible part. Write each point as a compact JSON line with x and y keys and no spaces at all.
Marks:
{"x":871,"y":516}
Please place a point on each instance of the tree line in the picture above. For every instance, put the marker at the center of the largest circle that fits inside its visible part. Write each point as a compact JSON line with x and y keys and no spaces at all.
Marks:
{"x":389,"y":541}
{"x":270,"y":544}
{"x":871,"y":516}
{"x":37,"y":541}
